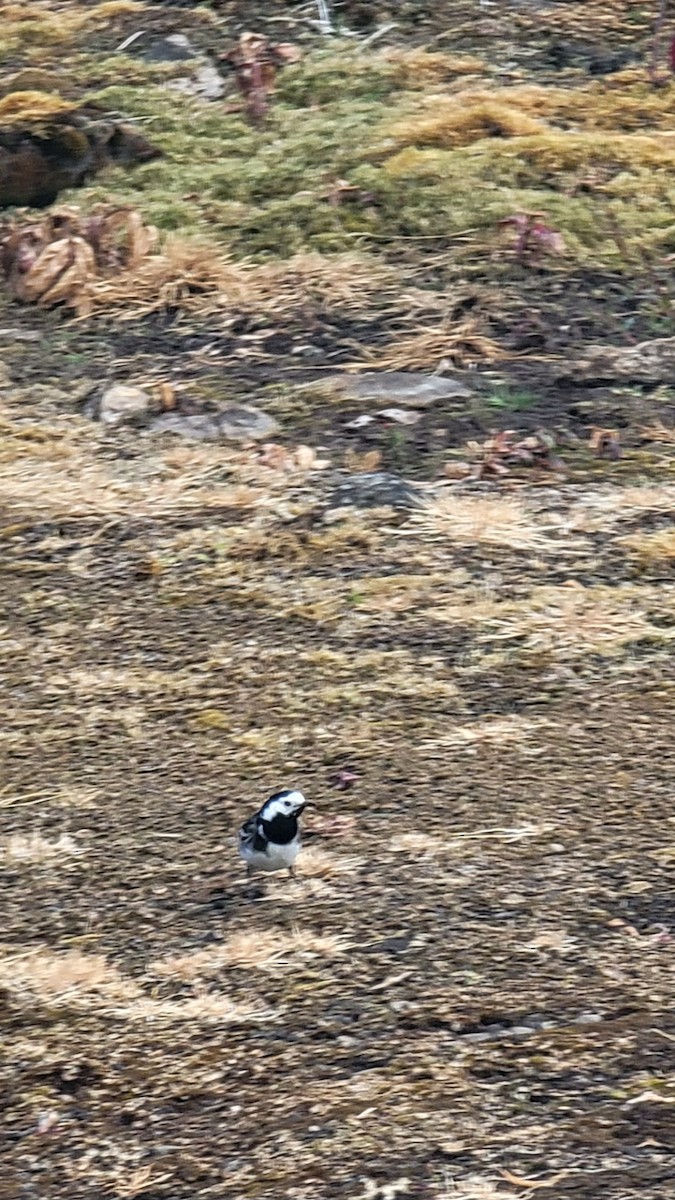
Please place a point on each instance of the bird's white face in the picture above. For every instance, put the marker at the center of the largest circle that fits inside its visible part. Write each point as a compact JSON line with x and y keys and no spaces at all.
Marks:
{"x":283,"y":804}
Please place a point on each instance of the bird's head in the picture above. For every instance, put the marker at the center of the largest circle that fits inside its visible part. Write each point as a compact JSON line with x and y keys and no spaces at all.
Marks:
{"x":283,"y":804}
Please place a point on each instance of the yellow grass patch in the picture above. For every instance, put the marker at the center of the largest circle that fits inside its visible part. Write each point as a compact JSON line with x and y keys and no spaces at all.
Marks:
{"x":560,"y":622}
{"x":33,"y":848}
{"x":650,"y":549}
{"x":416,"y":67}
{"x":189,"y":274}
{"x":70,"y":978}
{"x":254,"y":949}
{"x":208,"y":1008}
{"x":453,"y":124}
{"x":481,"y":520}
{"x":491,"y":731}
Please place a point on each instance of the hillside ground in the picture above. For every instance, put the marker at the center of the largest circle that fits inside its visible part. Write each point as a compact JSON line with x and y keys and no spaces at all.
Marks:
{"x":467,"y":994}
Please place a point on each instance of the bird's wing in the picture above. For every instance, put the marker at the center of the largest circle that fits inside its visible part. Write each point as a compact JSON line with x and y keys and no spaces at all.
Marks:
{"x":251,"y":834}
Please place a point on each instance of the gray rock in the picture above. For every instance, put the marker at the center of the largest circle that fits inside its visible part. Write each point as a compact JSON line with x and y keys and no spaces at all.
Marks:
{"x":123,"y":404}
{"x":174,"y":48}
{"x":409,"y":388}
{"x":202,"y":79}
{"x":239,"y":423}
{"x":195,"y":426}
{"x":374,"y":490}
{"x":243,"y":423}
{"x":205,"y":82}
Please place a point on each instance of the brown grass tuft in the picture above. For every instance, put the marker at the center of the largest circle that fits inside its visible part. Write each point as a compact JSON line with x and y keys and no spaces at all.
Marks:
{"x":209,"y":1008}
{"x":651,"y":549}
{"x":190,"y":276}
{"x":71,"y":978}
{"x":33,"y":848}
{"x":254,"y":949}
{"x":481,"y":520}
{"x":460,"y":343}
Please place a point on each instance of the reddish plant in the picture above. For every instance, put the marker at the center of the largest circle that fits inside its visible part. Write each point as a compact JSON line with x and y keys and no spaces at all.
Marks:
{"x":256,"y":61}
{"x":506,"y":450}
{"x":533,"y":235}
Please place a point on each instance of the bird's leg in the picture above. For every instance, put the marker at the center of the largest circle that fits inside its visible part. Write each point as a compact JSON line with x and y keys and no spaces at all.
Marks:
{"x":249,"y":871}
{"x":291,"y":872}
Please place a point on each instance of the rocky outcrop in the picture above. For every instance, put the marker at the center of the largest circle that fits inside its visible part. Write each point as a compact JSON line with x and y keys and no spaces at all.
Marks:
{"x":48,"y":145}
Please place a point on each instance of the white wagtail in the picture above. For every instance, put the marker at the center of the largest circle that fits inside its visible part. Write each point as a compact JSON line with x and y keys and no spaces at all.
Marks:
{"x":270,"y":840}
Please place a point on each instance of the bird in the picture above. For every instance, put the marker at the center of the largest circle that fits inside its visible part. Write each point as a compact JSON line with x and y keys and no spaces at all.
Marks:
{"x":270,"y":839}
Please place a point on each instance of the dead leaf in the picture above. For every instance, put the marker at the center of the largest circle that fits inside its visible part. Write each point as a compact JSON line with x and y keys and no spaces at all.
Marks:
{"x":345,"y":778}
{"x":55,"y":261}
{"x":370,"y":461}
{"x":168,"y":401}
{"x":305,"y":458}
{"x":505,"y":450}
{"x":534,"y":235}
{"x":605,"y":443}
{"x":457,"y":470}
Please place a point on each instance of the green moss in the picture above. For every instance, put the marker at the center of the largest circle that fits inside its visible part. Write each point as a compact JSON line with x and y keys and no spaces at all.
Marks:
{"x":264,"y":190}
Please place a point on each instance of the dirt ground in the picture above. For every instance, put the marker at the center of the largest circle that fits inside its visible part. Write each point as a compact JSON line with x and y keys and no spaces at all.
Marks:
{"x":467,"y":993}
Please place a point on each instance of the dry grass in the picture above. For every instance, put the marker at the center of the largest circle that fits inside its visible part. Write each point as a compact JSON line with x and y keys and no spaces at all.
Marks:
{"x":207,"y":1008}
{"x":60,"y":477}
{"x":481,"y":521}
{"x":321,"y":864}
{"x":461,"y":344}
{"x":512,"y":732}
{"x":416,"y":68}
{"x":255,"y":949}
{"x":27,"y":25}
{"x":561,"y":623}
{"x":191,"y":276}
{"x":652,"y":549}
{"x":89,"y":982}
{"x":454,"y":124}
{"x":604,"y":508}
{"x":107,"y":681}
{"x":33,"y":848}
{"x":71,"y":978}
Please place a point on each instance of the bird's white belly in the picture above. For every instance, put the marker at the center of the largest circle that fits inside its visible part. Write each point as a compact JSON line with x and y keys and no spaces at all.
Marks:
{"x":274,"y":858}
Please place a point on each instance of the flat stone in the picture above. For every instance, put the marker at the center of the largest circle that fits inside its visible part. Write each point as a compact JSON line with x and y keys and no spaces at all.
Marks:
{"x":243,"y":423}
{"x":195,"y":426}
{"x":123,"y":404}
{"x":239,"y":423}
{"x":410,"y":388}
{"x":374,"y":489}
{"x":205,"y":82}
